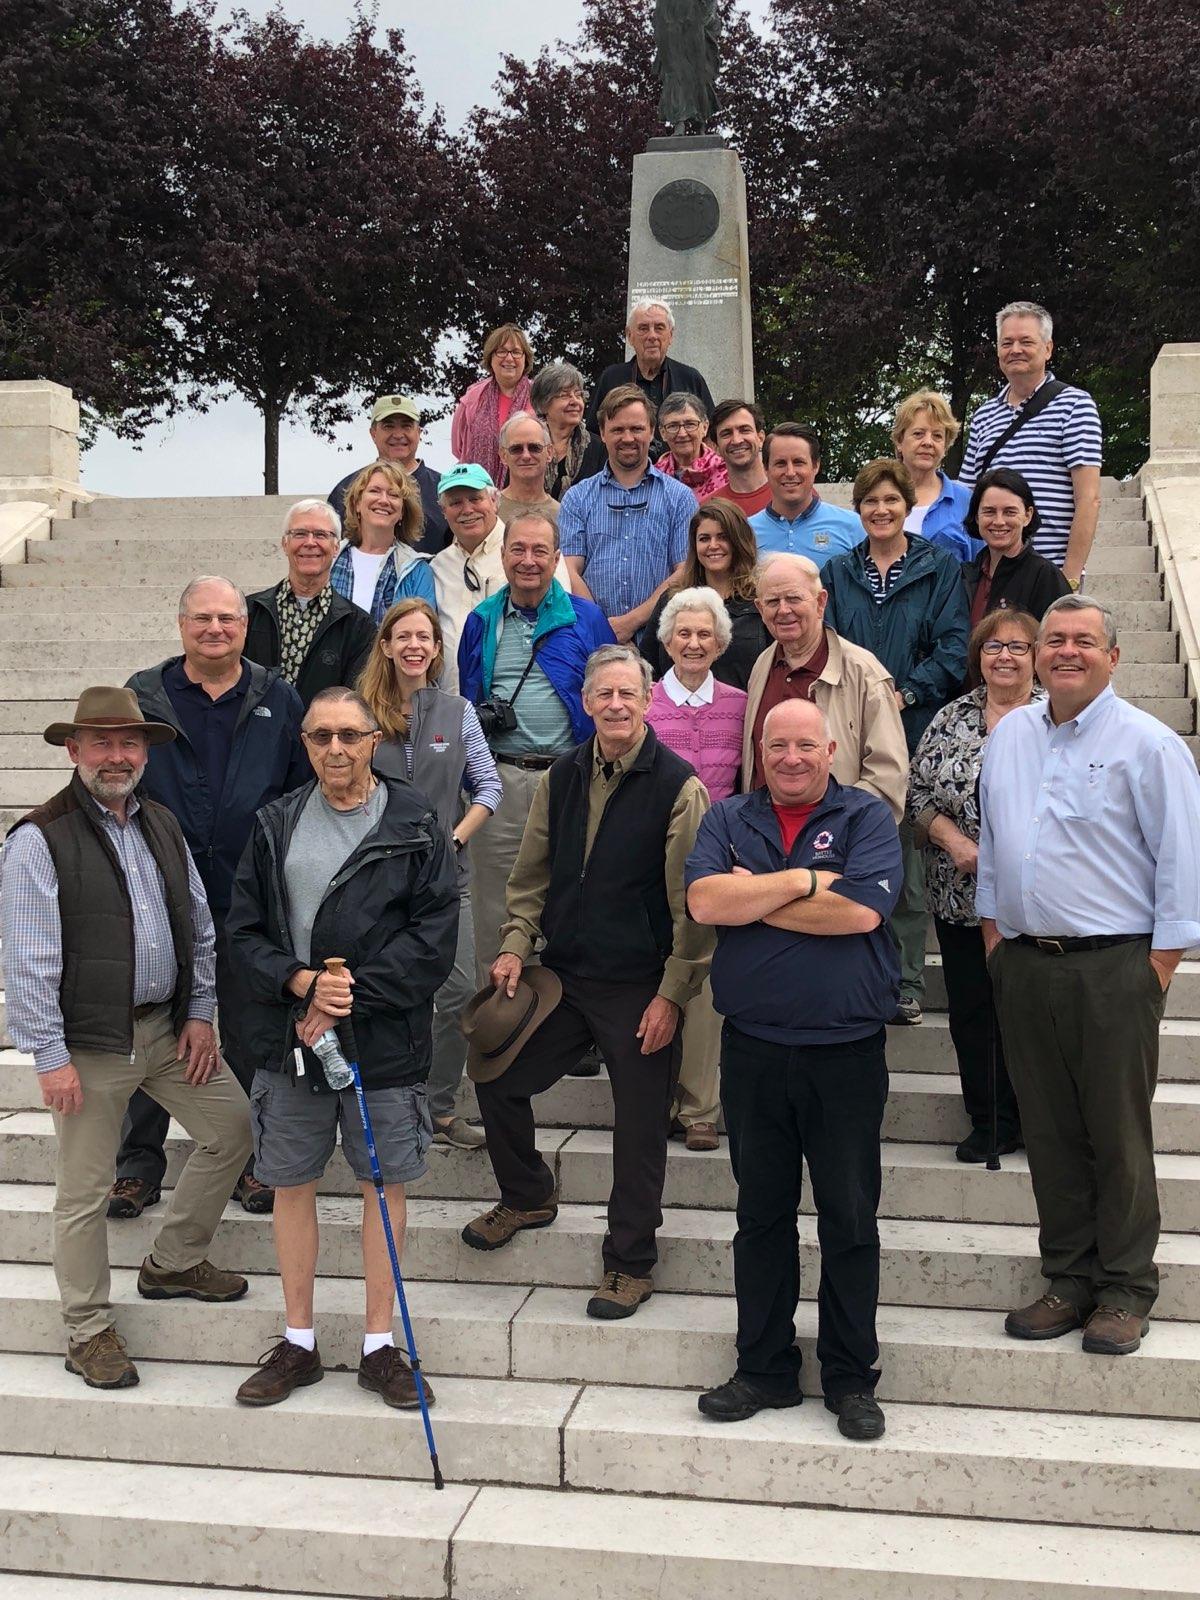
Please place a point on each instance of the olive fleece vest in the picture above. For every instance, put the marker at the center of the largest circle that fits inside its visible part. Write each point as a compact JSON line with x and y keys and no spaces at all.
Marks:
{"x":97,"y":917}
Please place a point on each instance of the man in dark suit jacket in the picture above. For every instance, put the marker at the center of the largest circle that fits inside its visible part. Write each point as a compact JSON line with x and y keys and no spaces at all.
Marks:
{"x":650,"y":329}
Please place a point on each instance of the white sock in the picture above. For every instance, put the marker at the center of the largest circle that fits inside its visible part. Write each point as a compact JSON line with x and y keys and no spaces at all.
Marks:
{"x":306,"y":1338}
{"x":375,"y":1341}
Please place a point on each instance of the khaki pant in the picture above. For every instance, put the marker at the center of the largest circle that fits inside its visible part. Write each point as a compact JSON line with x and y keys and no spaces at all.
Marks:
{"x":698,"y":1093}
{"x":216,"y":1115}
{"x":493,"y":856}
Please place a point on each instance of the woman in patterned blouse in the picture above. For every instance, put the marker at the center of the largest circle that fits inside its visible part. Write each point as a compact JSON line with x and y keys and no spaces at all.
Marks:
{"x":943,"y":804}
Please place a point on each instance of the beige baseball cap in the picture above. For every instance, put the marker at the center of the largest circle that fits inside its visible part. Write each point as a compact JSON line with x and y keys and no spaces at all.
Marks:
{"x":395,"y":405}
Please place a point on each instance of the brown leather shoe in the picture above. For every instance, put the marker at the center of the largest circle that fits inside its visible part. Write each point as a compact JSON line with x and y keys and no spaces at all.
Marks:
{"x":702,"y":1136}
{"x":497,"y":1226}
{"x":1047,"y":1318}
{"x":387,"y":1373}
{"x":129,"y":1197}
{"x":201,"y":1282}
{"x":1109,"y":1331}
{"x":253,"y":1196}
{"x":619,"y":1295}
{"x":101,"y":1361}
{"x":286,"y":1366}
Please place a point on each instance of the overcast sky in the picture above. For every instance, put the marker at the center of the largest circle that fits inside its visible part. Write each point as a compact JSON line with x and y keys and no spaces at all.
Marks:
{"x":456,"y":45}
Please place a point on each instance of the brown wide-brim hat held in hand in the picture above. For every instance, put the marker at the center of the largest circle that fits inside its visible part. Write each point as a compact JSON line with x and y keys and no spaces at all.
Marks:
{"x":496,"y":1027}
{"x":106,"y":708}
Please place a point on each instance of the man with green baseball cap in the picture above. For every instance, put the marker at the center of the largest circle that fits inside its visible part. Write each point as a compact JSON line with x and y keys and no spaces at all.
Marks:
{"x":396,"y":435}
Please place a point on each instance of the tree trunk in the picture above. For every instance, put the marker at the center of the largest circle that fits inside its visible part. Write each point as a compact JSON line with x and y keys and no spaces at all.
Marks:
{"x":272,"y":413}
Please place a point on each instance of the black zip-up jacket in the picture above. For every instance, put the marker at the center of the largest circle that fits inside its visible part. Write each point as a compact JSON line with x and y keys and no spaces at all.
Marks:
{"x":266,"y":760}
{"x":339,"y":651}
{"x":391,"y":910}
{"x":1024,"y":582}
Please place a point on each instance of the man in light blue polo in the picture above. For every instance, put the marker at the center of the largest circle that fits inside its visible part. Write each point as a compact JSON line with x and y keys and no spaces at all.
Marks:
{"x":798,"y":522}
{"x":624,"y":531}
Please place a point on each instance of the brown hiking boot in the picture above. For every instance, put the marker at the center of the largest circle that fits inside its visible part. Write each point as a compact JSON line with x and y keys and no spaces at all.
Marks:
{"x":387,"y":1372}
{"x":129,"y":1197}
{"x":702,"y":1136}
{"x":497,"y":1226}
{"x":1110,"y":1331}
{"x":1047,"y":1318}
{"x":201,"y":1282}
{"x":619,"y":1295}
{"x":253,"y":1196}
{"x":286,"y":1366}
{"x":101,"y":1361}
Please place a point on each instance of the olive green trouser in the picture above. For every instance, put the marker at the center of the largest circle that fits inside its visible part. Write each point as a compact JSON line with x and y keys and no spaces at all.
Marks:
{"x":215,"y":1114}
{"x":1081,"y":1045}
{"x":698,"y":1091}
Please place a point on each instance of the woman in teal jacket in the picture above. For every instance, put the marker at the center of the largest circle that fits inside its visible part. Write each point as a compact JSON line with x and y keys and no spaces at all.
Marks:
{"x":902,"y":599}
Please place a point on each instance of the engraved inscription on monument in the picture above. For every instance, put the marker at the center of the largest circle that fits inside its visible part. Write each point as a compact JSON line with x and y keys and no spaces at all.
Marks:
{"x":684,"y":214}
{"x":678,"y":292}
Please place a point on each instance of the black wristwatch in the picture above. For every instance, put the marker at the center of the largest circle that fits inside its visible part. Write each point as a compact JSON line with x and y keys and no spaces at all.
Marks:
{"x":909,"y":698}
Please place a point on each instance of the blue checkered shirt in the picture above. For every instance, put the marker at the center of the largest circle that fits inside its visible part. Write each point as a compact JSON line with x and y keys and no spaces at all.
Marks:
{"x":630,"y":539}
{"x":32,"y":931}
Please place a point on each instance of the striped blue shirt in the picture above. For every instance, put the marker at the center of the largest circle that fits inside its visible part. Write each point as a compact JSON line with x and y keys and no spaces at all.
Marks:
{"x":630,"y":539}
{"x":32,"y":932}
{"x":1063,"y":436}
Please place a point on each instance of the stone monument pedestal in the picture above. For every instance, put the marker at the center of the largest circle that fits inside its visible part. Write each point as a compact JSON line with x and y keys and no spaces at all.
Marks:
{"x":688,"y":246}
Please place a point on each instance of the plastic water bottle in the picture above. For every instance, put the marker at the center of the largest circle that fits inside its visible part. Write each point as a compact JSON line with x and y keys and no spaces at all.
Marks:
{"x":329,"y":1051}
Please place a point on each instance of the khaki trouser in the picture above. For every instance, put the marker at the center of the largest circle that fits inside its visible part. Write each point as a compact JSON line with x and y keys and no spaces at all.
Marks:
{"x":698,"y":1092}
{"x":216,"y":1115}
{"x":493,"y":856}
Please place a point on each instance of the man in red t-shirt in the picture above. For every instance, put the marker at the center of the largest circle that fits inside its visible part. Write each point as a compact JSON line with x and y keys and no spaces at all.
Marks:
{"x":737,"y":431}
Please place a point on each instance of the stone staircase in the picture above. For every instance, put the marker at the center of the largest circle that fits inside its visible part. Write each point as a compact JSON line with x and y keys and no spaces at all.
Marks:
{"x":577,"y":1461}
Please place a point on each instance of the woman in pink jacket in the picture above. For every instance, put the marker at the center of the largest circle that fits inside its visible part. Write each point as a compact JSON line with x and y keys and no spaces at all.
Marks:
{"x":487,"y":405}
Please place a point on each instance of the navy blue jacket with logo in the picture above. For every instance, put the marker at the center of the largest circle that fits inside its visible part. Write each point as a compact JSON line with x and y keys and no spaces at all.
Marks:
{"x":802,"y":988}
{"x":267,"y":759}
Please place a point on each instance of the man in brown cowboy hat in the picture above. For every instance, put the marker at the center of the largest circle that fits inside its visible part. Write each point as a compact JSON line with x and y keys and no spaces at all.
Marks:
{"x":109,"y":968}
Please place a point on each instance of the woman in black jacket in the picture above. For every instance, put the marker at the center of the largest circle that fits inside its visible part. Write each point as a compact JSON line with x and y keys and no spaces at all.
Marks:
{"x":1009,"y":573}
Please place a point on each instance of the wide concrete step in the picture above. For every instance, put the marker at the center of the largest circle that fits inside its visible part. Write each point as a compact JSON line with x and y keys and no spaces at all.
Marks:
{"x":1111,"y":589}
{"x":396,"y":1539}
{"x":1106,"y":560}
{"x":218,"y":507}
{"x":33,"y":1586}
{"x":132,"y":570}
{"x":332,"y":1536}
{"x":928,"y":1356}
{"x":79,"y":550}
{"x":115,"y":656}
{"x":1029,"y":1466}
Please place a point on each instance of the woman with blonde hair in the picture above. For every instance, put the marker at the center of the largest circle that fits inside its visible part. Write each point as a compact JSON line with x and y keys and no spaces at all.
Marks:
{"x":506,"y":359}
{"x":433,"y":739}
{"x":377,"y":565}
{"x":923,"y":430}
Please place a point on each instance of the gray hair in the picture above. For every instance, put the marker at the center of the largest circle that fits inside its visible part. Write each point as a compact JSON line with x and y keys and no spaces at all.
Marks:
{"x":529,"y":516}
{"x":611,"y":655}
{"x":558,"y":378}
{"x":680,"y":400}
{"x":1026,"y":308}
{"x":697,"y":600}
{"x":305,"y":506}
{"x":213,"y":577}
{"x":1082,"y":602}
{"x":522,"y":416}
{"x":801,"y":564}
{"x":639,"y":306}
{"x":339,"y":694}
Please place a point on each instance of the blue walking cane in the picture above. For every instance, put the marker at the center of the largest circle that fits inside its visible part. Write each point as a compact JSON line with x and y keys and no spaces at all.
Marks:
{"x":341,"y":1070}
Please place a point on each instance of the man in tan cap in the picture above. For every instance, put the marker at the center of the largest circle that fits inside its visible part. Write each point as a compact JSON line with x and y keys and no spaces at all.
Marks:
{"x":109,"y":967}
{"x":396,"y":435}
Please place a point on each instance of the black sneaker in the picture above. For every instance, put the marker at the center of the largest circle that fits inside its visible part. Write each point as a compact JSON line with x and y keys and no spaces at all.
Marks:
{"x":859,"y":1415}
{"x":977,"y":1146}
{"x":908,"y":1014}
{"x":588,"y":1066}
{"x":739,"y":1398}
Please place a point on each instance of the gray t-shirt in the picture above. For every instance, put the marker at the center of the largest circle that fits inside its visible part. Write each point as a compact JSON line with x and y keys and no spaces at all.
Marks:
{"x":324,"y":838}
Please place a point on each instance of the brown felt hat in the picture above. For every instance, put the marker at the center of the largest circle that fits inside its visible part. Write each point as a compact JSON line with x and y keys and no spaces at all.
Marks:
{"x":496,"y":1027}
{"x":105,"y":707}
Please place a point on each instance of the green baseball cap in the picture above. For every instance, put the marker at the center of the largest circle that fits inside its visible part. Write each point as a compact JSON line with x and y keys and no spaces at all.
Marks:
{"x":395,"y":405}
{"x":466,"y":475}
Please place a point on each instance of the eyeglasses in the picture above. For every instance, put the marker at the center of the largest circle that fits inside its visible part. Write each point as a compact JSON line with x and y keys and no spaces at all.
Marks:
{"x":681,"y":427}
{"x":525,"y":449}
{"x":321,"y":535}
{"x":205,"y":619}
{"x":1015,"y":647}
{"x":349,"y":738}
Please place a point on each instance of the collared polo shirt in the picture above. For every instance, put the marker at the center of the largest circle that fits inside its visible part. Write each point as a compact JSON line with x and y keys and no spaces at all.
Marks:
{"x":209,"y":724}
{"x":543,"y":721}
{"x":820,"y":531}
{"x":630,"y":540}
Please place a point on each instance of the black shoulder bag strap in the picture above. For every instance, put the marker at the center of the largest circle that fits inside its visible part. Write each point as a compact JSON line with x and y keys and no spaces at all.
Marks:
{"x":529,"y":665}
{"x":1050,"y":390}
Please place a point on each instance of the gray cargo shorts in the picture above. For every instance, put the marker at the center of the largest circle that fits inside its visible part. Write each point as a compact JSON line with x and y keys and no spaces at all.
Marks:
{"x":295,"y":1131}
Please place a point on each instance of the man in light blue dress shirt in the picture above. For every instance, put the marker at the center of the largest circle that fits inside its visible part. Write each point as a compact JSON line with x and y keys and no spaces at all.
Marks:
{"x":1088,"y":894}
{"x":797,"y":521}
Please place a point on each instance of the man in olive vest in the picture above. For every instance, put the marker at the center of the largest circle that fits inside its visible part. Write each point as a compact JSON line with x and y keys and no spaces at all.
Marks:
{"x":109,"y":967}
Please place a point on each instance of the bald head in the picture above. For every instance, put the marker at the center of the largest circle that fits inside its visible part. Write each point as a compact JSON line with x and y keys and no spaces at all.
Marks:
{"x":797,"y":753}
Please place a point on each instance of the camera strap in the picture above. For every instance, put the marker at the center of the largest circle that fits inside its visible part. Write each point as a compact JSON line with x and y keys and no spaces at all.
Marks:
{"x":529,"y":665}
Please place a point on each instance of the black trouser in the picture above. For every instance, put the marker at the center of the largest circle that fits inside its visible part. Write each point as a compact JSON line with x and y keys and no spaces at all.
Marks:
{"x":822,"y":1103}
{"x":607,"y":1014}
{"x":974,"y":1028}
{"x":144,"y":1131}
{"x":1081,"y":1032}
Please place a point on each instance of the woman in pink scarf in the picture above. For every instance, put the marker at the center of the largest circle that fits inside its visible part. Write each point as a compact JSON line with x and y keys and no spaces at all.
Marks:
{"x":488,"y":404}
{"x":683,"y":423}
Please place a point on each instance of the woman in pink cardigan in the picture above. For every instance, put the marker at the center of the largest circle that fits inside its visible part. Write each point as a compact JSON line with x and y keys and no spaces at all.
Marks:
{"x":487,"y":405}
{"x":701,"y":720}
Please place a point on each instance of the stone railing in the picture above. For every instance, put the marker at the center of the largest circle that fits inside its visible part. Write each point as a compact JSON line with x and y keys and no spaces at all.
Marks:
{"x":39,"y":462}
{"x":1170,"y":482}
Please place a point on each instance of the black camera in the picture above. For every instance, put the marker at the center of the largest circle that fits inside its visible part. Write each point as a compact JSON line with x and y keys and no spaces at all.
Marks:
{"x":496,"y":715}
